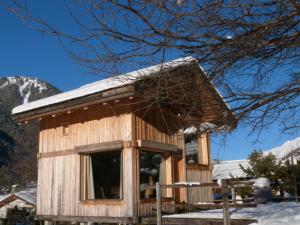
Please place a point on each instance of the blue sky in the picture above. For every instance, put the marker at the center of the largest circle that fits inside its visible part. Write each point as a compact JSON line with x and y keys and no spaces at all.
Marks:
{"x":26,"y":52}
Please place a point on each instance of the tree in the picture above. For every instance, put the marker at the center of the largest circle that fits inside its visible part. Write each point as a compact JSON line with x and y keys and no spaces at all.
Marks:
{"x":261,"y":165}
{"x":6,"y":147}
{"x":279,"y":172}
{"x":249,"y":48}
{"x":286,"y":176}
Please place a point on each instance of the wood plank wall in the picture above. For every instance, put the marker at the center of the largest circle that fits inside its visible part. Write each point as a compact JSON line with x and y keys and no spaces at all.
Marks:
{"x":94,"y":125}
{"x":199,"y":194}
{"x":153,"y":125}
{"x":58,"y":177}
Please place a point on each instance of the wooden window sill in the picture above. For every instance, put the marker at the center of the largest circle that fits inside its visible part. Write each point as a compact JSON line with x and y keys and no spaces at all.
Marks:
{"x":153,"y":200}
{"x":198,"y":166}
{"x":103,"y":202}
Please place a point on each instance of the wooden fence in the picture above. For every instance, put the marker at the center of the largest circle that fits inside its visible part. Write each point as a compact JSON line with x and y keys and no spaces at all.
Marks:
{"x":227,"y":186}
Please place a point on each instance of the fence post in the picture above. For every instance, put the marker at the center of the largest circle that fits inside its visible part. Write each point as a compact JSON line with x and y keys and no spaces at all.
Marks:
{"x":158,"y":204}
{"x":225,"y":202}
{"x":294,"y":177}
{"x":233,"y":194}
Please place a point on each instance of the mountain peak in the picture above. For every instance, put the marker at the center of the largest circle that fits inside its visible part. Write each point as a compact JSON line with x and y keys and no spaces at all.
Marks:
{"x":18,"y":90}
{"x":14,"y":91}
{"x":24,"y":85}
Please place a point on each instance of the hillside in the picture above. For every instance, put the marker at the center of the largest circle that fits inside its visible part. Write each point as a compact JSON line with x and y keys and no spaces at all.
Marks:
{"x":18,"y":144}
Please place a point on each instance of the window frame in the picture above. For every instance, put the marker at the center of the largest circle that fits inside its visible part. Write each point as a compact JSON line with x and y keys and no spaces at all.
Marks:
{"x":166,"y":156}
{"x":203,"y":144}
{"x":82,"y":187}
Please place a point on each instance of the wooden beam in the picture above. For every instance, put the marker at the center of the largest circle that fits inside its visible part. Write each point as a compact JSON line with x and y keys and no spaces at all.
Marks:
{"x":75,"y":104}
{"x":56,"y":153}
{"x":95,"y":219}
{"x":99,"y":147}
{"x":156,"y":146}
{"x":198,"y":166}
{"x":195,"y":221}
{"x":85,"y":149}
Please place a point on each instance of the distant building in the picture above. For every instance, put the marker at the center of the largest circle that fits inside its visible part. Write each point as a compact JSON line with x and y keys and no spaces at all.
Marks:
{"x":21,"y":199}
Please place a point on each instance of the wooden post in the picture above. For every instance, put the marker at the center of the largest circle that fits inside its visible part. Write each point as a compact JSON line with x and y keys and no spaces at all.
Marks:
{"x":158,"y":204}
{"x":233,"y":195}
{"x":226,"y":218}
{"x":294,"y":177}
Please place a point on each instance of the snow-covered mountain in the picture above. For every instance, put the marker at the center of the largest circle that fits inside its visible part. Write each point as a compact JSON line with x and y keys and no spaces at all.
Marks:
{"x":286,"y":149}
{"x":19,"y":90}
{"x":24,"y":84}
{"x":18,"y":144}
{"x":231,"y":168}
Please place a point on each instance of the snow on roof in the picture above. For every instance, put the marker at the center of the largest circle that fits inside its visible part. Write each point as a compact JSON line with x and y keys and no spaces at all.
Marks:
{"x":203,"y":127}
{"x":2,"y":197}
{"x":229,"y":169}
{"x":28,"y":195}
{"x":102,"y":85}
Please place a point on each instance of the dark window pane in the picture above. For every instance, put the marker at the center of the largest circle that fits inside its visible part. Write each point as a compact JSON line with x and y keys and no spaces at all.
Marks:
{"x":191,"y":149}
{"x":106,"y":174}
{"x":152,"y":170}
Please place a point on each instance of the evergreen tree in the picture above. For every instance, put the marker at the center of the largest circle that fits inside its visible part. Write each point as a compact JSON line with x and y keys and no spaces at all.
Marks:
{"x":279,"y":172}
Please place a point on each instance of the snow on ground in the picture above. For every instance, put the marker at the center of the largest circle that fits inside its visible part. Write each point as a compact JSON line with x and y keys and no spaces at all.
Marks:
{"x":287,"y":213}
{"x":231,"y":168}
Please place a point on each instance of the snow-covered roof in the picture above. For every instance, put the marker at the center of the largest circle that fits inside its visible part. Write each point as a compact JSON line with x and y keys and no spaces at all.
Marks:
{"x":2,"y":197}
{"x":203,"y":127}
{"x":102,"y":85}
{"x":229,"y":169}
{"x":28,"y":195}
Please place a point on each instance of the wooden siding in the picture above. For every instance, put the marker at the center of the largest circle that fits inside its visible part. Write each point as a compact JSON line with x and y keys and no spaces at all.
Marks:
{"x":97,"y":124}
{"x":199,"y":194}
{"x":59,"y":189}
{"x":149,"y":209}
{"x":151,"y":126}
{"x":59,"y":174}
{"x":204,"y":149}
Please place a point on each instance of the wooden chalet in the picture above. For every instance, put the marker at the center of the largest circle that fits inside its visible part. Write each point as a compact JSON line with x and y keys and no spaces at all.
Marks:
{"x":103,"y":146}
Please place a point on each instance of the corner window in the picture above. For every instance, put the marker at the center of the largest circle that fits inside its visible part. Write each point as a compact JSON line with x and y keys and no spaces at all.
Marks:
{"x":153,"y":168}
{"x":101,"y":176}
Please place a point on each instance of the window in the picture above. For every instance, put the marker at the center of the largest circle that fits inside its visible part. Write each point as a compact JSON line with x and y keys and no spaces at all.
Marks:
{"x":153,"y":168}
{"x":191,"y":148}
{"x":101,"y":175}
{"x":197,"y":149}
